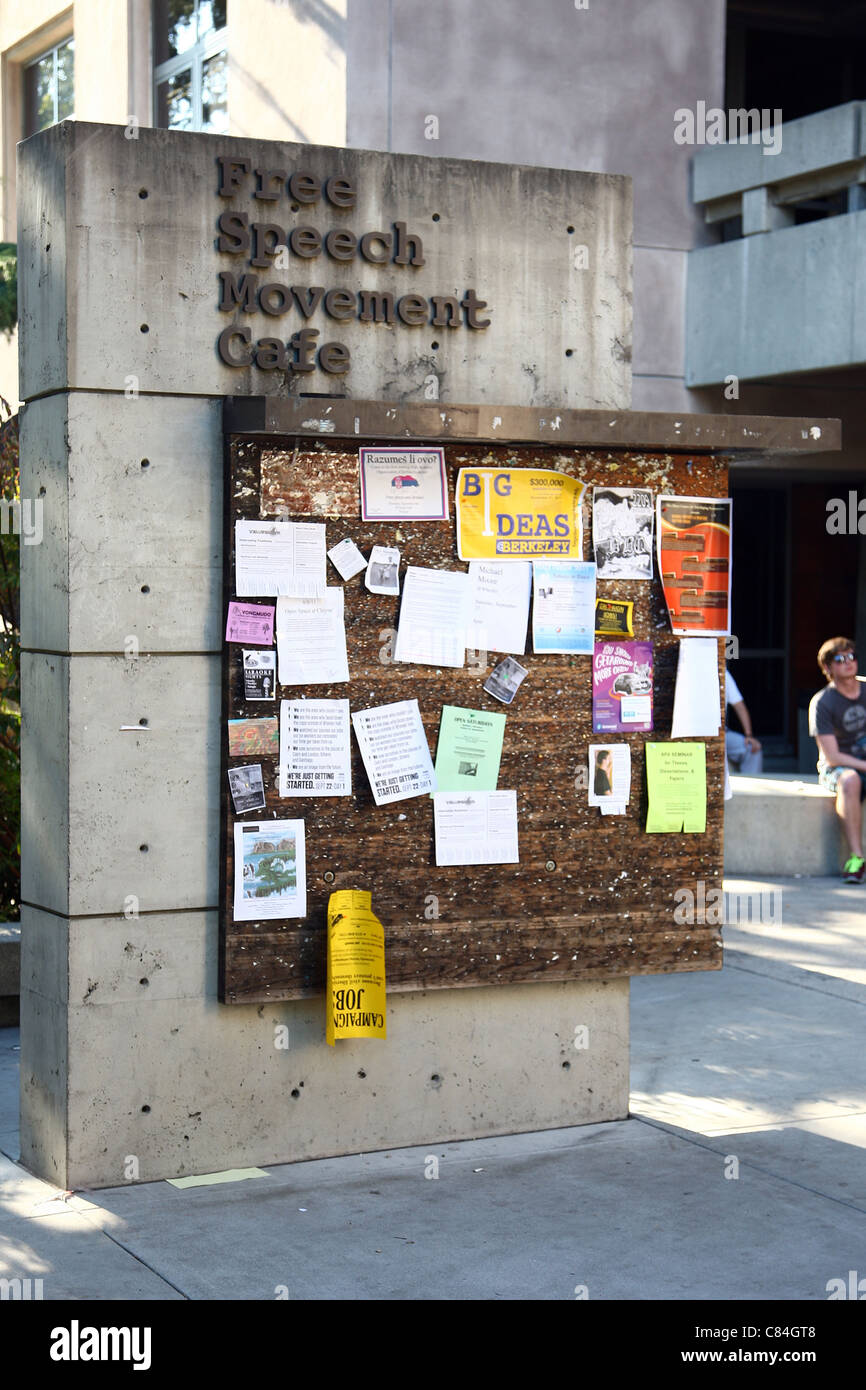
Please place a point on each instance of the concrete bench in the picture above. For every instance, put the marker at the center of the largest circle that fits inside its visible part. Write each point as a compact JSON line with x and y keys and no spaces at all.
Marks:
{"x":781,"y":824}
{"x":10,"y":970}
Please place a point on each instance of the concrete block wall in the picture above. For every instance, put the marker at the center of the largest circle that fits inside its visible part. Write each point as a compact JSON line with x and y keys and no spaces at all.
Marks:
{"x":126,"y":1053}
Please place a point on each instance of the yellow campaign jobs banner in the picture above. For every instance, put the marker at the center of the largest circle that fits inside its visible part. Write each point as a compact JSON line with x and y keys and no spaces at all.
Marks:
{"x":518,"y":514}
{"x":355,"y":990}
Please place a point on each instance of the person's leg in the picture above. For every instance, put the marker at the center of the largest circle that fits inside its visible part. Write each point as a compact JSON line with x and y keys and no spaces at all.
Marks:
{"x":849,"y":807}
{"x":752,"y":764}
{"x":735,"y":748}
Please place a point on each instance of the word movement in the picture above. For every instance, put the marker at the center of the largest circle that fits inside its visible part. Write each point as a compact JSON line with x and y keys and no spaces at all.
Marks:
{"x":269,"y":245}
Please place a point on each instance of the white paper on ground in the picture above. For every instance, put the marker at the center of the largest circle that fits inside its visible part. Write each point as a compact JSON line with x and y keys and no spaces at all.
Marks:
{"x":279,"y":557}
{"x":315,"y":757}
{"x":395,"y":751}
{"x":347,"y":559}
{"x":697,"y":703}
{"x":433,"y":617}
{"x":499,"y":606}
{"x":476,"y":828}
{"x":311,"y":640}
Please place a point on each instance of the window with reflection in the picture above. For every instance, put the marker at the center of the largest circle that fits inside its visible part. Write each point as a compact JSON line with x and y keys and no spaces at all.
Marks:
{"x":191,"y":65}
{"x":49,"y":88}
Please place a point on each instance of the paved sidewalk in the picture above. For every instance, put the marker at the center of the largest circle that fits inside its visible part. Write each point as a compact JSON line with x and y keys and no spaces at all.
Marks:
{"x":742,"y":1173}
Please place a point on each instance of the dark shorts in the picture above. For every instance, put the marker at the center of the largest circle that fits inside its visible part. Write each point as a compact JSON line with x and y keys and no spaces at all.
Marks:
{"x":829,"y":777}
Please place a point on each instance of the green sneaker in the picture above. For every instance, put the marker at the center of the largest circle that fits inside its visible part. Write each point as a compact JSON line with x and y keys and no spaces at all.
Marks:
{"x":854,"y":870}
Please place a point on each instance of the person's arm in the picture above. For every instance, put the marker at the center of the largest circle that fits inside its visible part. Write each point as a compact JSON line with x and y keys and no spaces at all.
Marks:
{"x":830,"y":748}
{"x":745,"y":719}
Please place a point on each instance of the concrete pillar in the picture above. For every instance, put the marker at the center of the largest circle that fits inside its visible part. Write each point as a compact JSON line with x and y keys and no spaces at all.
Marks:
{"x":131,"y":1069}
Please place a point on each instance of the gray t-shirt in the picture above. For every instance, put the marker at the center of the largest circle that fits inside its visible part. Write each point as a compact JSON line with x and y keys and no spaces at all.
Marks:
{"x":832,"y":713}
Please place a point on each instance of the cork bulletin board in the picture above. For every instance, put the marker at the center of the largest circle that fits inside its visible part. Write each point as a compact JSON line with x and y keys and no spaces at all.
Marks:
{"x":593,"y":895}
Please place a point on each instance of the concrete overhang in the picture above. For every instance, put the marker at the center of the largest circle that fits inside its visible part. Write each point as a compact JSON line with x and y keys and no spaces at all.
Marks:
{"x":758,"y":436}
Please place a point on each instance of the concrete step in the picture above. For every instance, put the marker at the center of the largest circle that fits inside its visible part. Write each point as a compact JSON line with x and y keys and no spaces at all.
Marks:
{"x":10,"y":969}
{"x":781,"y":824}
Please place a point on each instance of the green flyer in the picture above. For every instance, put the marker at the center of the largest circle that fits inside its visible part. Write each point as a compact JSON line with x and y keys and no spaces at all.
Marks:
{"x":469,"y":749}
{"x":677,"y":787}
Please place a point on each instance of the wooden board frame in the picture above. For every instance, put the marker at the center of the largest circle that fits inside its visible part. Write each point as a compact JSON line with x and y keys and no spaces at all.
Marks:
{"x":593,"y":897}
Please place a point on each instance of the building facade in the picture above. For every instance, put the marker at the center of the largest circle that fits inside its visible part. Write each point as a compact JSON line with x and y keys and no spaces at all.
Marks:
{"x":749,"y":254}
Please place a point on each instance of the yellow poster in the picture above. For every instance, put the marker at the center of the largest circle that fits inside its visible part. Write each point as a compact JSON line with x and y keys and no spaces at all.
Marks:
{"x":355,"y":990}
{"x":518,"y":514}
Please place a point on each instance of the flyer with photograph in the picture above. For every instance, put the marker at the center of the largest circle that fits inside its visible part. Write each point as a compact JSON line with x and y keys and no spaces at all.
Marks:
{"x":315,"y":757}
{"x":693,"y":537}
{"x":469,"y":749}
{"x":622,"y":532}
{"x":270,"y":870}
{"x":247,"y":788}
{"x":563,"y":606}
{"x":622,"y":687}
{"x":383,"y":571}
{"x":403,"y":484}
{"x":505,"y":680}
{"x":394,"y":749}
{"x":260,"y":675}
{"x":610,"y":777}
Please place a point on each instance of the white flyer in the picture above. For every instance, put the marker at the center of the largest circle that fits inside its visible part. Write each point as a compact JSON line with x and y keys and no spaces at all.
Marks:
{"x":383,"y":570}
{"x":476,"y":827}
{"x":563,"y":606}
{"x":315,"y":758}
{"x":279,"y":557}
{"x":499,"y":612}
{"x":347,"y":559}
{"x":610,"y":777}
{"x":311,"y":640}
{"x":270,"y":870}
{"x":697,"y":702}
{"x":395,"y":751}
{"x":433,"y":617}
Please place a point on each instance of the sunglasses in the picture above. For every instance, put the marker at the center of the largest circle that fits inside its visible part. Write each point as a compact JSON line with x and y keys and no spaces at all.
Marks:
{"x":845,"y":656}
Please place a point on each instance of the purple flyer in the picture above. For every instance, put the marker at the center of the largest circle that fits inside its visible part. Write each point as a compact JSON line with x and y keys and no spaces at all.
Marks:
{"x":622,"y":687}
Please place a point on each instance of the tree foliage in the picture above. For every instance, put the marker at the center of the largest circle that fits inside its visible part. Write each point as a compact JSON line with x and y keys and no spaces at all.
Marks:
{"x":8,"y":287}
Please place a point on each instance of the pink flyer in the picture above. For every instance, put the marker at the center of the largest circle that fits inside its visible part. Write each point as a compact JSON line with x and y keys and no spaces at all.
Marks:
{"x":251,"y":622}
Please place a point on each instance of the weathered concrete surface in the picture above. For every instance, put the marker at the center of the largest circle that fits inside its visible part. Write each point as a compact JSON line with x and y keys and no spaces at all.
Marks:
{"x":136,"y":501}
{"x":786,"y":301}
{"x":124,"y":1047}
{"x":134,"y":292}
{"x":763,"y":1065}
{"x":782,"y":825}
{"x":163,"y":1072}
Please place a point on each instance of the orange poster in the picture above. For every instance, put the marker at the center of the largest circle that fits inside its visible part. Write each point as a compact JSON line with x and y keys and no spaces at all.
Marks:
{"x":693,"y":536}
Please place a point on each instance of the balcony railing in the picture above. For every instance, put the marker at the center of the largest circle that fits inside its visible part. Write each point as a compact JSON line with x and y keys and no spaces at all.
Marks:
{"x":785,"y":290}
